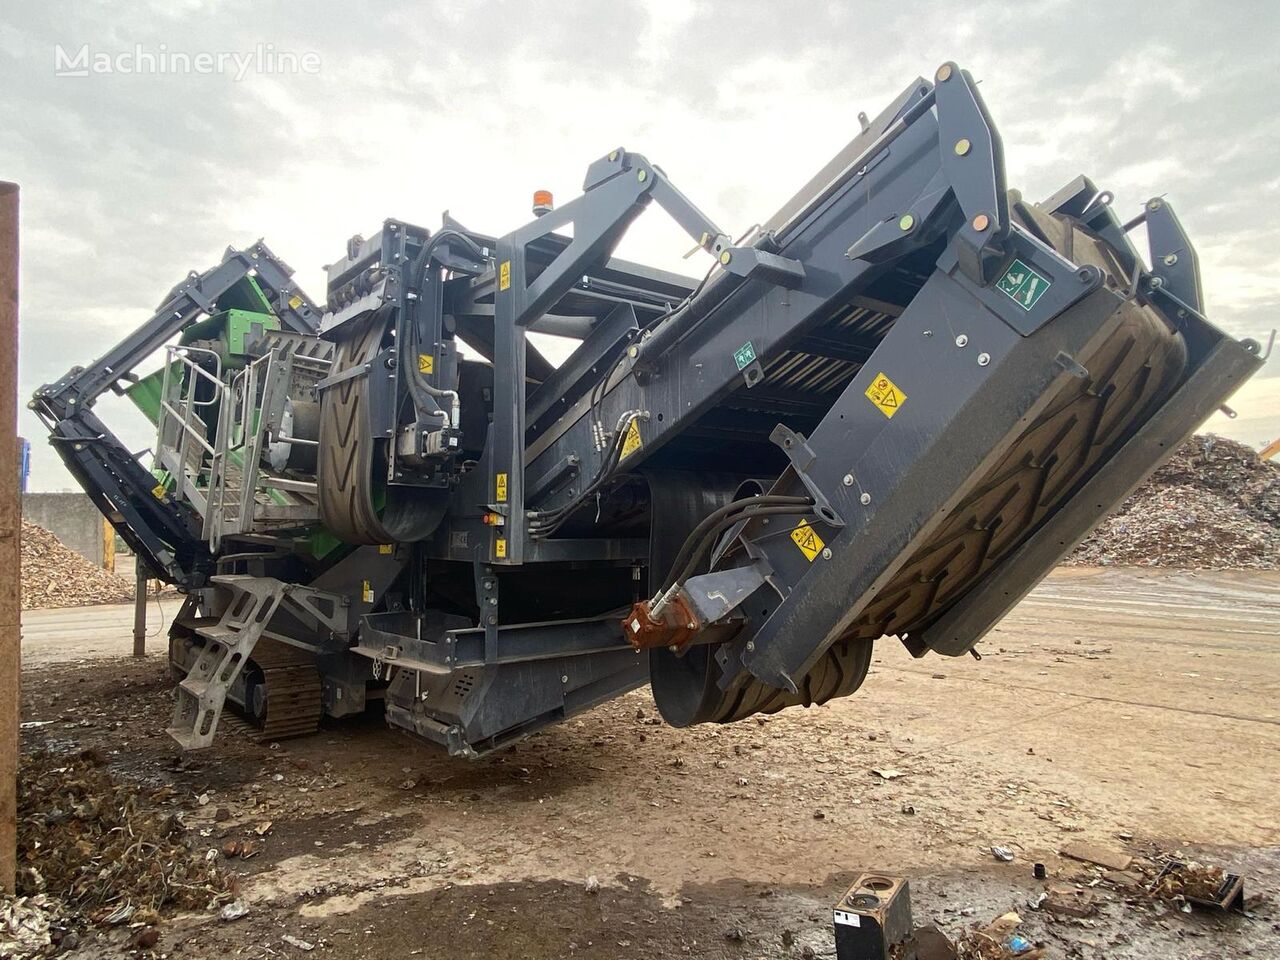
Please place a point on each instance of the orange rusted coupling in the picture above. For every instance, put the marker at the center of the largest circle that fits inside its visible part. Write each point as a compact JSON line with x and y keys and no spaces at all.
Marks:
{"x":675,"y":626}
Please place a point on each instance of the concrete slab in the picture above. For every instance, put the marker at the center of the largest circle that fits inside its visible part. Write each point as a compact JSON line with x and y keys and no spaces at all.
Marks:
{"x":86,"y":633}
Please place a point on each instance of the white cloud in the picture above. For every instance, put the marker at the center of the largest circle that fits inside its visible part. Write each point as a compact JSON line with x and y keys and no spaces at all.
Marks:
{"x":470,"y":106}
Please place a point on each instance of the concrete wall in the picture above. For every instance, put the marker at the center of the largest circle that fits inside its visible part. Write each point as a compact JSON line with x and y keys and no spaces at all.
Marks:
{"x":74,"y":519}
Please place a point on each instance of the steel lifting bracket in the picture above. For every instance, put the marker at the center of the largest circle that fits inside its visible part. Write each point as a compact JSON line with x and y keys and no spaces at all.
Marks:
{"x":900,"y":234}
{"x":973,"y":160}
{"x":755,"y":264}
{"x":802,"y":457}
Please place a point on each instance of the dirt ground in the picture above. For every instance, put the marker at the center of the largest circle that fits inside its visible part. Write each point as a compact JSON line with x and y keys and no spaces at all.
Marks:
{"x":1136,"y":709}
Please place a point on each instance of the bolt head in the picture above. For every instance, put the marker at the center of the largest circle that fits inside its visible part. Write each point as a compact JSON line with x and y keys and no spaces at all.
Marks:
{"x":848,"y":479}
{"x":826,"y":553}
{"x":981,"y":222}
{"x":1170,"y":259}
{"x":962,"y":340}
{"x":642,"y":176}
{"x":613,"y":154}
{"x":865,"y":499}
{"x":984,"y":359}
{"x":1154,"y":205}
{"x":944,"y":73}
{"x":963,"y":146}
{"x":633,"y":351}
{"x":906,"y":222}
{"x":725,"y":256}
{"x":564,"y":678}
{"x":751,"y":644}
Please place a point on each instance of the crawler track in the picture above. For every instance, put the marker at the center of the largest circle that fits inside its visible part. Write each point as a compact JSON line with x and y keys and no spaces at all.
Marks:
{"x":293,"y":691}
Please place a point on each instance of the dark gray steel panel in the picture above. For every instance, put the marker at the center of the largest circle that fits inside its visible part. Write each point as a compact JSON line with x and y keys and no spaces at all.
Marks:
{"x":958,"y":418}
{"x":1226,"y":367}
{"x":568,"y":381}
{"x":700,"y":370}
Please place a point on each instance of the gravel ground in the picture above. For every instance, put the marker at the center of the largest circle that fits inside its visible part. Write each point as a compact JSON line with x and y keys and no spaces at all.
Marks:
{"x":1133,"y":710}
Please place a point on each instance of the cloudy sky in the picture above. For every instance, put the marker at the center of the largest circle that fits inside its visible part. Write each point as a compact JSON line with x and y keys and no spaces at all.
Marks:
{"x":129,"y":180}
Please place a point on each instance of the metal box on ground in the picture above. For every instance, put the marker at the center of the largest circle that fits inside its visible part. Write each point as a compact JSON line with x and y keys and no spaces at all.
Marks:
{"x":872,"y":917}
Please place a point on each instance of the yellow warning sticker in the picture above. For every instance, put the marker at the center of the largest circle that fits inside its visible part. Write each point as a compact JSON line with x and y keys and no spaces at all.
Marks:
{"x":426,"y":363}
{"x":886,"y":395}
{"x":504,"y":275}
{"x":366,"y":592}
{"x":631,"y":442}
{"x":385,"y":549}
{"x":295,"y":301}
{"x":158,"y":491}
{"x":807,"y":539}
{"x":500,"y":548}
{"x":500,"y":491}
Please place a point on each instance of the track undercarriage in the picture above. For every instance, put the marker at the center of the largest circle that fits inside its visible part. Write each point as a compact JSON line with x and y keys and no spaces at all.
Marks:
{"x":278,"y":694}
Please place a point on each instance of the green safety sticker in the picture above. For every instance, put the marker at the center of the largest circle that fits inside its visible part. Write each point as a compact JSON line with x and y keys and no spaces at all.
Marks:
{"x":744,"y":355}
{"x":1023,"y":285}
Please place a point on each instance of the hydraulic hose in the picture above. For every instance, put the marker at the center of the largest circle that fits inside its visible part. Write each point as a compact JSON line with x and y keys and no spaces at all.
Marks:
{"x":545,"y":523}
{"x":419,"y":388}
{"x":704,"y":536}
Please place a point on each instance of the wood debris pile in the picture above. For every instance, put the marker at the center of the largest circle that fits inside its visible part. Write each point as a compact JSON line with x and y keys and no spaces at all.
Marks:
{"x":1193,"y":881}
{"x":54,"y":575}
{"x":99,"y":847}
{"x":1215,"y":504}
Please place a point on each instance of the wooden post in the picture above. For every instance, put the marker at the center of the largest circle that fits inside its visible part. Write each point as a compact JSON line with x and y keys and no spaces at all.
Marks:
{"x":140,"y":607}
{"x":108,"y":546}
{"x":10,"y":536}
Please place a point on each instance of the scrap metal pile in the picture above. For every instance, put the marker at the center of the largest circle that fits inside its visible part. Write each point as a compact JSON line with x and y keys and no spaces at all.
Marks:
{"x":54,"y":575}
{"x":887,"y":411}
{"x":1214,"y":504}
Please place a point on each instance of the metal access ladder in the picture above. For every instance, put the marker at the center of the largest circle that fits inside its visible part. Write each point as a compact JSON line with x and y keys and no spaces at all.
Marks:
{"x":228,"y":644}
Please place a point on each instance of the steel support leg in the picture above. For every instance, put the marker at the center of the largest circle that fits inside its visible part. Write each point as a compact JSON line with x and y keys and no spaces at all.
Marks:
{"x":141,"y":574}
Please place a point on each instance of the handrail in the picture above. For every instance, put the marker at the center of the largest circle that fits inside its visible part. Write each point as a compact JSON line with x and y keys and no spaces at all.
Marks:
{"x":177,"y":413}
{"x":181,"y":353}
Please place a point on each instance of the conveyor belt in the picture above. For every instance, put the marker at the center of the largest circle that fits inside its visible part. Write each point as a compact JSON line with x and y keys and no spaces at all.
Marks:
{"x":1128,"y":374}
{"x":356,"y":503}
{"x":348,"y":483}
